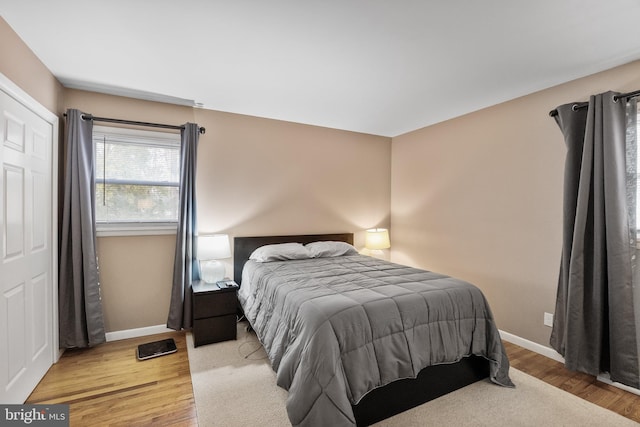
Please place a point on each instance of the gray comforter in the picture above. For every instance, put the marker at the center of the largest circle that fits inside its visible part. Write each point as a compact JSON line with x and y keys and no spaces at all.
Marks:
{"x":337,"y":328}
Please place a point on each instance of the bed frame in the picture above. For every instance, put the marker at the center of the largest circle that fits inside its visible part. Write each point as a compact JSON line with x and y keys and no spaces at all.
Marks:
{"x":384,"y":402}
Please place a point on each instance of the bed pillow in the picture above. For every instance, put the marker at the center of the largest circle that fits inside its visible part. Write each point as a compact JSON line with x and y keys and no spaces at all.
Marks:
{"x":330,"y":249}
{"x":280,"y":252}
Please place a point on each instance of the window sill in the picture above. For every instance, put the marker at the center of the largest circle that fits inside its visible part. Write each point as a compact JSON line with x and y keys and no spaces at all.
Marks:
{"x":115,"y":230}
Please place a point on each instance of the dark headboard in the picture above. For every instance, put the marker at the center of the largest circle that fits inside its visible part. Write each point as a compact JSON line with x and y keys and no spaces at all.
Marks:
{"x":244,"y":246}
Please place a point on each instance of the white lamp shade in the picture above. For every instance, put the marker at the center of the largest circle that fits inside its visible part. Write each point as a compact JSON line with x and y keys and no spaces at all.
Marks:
{"x":213,"y":246}
{"x":377,"y":238}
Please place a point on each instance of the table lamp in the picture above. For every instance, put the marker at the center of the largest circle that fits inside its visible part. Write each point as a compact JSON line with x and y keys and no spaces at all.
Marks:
{"x":211,"y":248}
{"x":377,"y":239}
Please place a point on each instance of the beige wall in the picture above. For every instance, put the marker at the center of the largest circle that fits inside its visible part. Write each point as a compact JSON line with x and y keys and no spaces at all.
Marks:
{"x":259,"y":176}
{"x":480,"y":197}
{"x":255,"y":177}
{"x":19,"y":64}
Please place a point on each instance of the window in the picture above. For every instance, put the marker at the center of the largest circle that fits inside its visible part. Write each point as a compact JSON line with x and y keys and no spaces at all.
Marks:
{"x":137,"y":181}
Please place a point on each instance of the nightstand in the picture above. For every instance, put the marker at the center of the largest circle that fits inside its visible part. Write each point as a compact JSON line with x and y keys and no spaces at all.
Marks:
{"x":214,"y":313}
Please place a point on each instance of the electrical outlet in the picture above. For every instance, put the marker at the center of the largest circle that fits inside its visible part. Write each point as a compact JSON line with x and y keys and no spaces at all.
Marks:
{"x":548,"y":319}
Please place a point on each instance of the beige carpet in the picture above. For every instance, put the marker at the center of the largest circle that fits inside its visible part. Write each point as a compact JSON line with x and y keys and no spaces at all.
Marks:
{"x":233,"y":386}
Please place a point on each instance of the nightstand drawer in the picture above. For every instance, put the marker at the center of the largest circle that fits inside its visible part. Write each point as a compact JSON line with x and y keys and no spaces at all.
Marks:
{"x":214,"y":329}
{"x":214,"y":304}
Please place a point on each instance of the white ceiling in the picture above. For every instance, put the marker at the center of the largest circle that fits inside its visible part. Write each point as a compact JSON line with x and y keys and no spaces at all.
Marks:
{"x":376,"y":66}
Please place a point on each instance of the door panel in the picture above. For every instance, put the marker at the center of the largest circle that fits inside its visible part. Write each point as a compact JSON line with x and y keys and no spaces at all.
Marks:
{"x":39,"y":215}
{"x":40,"y":310}
{"x":14,"y":212}
{"x":14,"y":299}
{"x":26,"y":267}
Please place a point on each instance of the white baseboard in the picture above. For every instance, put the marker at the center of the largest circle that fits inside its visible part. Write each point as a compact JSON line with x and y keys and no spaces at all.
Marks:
{"x":138,"y":332}
{"x":605,"y":379}
{"x":552,"y":354}
{"x":533,"y":346}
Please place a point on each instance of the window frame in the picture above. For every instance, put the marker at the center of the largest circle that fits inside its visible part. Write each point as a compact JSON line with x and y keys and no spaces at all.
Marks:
{"x":143,"y":137}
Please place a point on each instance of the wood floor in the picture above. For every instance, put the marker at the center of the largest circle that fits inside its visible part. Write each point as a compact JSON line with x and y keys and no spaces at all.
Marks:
{"x":581,"y":385}
{"x":107,"y":386}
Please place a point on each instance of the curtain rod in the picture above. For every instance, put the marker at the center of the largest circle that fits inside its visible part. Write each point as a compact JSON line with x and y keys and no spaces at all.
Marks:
{"x":579,"y":105}
{"x":133,"y":122}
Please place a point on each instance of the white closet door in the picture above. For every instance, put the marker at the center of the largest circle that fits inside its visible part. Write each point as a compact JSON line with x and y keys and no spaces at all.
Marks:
{"x":27,"y":273}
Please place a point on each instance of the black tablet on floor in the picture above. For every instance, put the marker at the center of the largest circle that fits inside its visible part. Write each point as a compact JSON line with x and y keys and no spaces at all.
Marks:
{"x":156,"y":348}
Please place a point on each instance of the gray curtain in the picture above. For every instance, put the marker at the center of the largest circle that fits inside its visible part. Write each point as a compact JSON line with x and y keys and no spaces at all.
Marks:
{"x":595,"y":319}
{"x":80,"y":306}
{"x":185,"y":268}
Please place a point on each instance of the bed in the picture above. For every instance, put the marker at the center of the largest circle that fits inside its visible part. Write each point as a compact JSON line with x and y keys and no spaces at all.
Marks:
{"x":344,"y":363}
